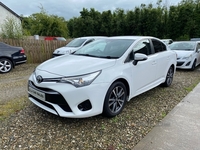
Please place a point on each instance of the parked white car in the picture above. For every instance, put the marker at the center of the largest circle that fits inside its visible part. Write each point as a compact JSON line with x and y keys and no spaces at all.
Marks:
{"x":75,"y":44}
{"x":195,"y":39}
{"x":167,"y":41}
{"x":101,"y":76}
{"x":188,"y":54}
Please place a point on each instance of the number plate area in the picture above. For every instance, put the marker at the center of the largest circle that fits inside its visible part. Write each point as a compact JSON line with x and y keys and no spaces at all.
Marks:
{"x":36,"y":93}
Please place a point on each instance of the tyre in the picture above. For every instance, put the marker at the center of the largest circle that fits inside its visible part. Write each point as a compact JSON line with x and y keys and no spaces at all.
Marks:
{"x":115,"y":99}
{"x":5,"y":65}
{"x":193,"y":66}
{"x":169,"y":77}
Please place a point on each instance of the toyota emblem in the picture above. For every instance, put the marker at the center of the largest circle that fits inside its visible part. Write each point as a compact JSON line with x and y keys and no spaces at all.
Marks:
{"x":39,"y":79}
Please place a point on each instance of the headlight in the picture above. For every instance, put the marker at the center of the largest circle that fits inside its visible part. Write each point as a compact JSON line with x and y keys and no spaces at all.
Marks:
{"x":69,"y":51}
{"x":80,"y":81}
{"x":188,"y":57}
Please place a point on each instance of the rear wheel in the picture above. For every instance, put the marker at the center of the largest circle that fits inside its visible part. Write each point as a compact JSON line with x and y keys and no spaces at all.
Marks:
{"x":169,"y":77}
{"x":5,"y":65}
{"x":115,"y":99}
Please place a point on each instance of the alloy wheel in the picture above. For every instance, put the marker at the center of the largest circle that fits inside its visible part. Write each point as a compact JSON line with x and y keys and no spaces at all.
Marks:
{"x":5,"y":65}
{"x":115,"y":99}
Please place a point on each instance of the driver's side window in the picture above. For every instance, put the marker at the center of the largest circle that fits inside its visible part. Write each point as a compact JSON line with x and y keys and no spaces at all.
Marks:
{"x":142,"y":47}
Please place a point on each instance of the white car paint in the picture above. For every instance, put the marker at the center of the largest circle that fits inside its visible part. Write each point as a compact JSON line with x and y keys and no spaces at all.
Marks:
{"x":188,"y":54}
{"x":78,"y":78}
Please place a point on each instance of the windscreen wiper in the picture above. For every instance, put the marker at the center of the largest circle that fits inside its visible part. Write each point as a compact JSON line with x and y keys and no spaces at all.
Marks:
{"x":86,"y":55}
{"x":108,"y":57}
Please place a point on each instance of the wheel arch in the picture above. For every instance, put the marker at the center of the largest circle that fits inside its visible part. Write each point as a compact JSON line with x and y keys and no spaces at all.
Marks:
{"x":195,"y":60}
{"x":13,"y":63}
{"x":125,"y":82}
{"x":174,"y":68}
{"x":194,"y":64}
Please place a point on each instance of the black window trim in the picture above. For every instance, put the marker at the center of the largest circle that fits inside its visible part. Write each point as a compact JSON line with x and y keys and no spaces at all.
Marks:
{"x":152,"y":46}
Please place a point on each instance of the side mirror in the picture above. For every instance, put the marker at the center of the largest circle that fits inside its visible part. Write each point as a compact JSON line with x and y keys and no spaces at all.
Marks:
{"x":198,"y":50}
{"x":139,"y":57}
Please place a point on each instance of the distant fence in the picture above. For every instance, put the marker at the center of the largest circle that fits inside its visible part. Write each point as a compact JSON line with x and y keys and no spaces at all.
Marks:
{"x":37,"y":51}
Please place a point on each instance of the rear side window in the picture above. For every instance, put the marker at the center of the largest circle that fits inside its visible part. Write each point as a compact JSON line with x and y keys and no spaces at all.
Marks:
{"x":158,"y":46}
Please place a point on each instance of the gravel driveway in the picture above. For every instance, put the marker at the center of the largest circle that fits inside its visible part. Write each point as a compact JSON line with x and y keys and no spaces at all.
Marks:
{"x":34,"y":128}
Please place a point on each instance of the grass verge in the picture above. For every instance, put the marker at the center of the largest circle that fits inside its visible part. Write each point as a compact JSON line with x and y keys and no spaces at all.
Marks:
{"x":192,"y":86}
{"x":12,"y":106}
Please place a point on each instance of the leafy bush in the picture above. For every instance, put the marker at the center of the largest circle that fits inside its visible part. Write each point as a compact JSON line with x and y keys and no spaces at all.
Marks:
{"x":11,"y":28}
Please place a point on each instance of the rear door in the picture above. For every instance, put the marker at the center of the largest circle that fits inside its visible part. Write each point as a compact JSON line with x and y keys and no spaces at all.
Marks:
{"x":162,"y":57}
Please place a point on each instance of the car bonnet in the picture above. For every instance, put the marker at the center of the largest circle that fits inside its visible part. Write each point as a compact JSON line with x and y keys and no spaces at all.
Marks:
{"x":65,"y":50}
{"x":72,"y":65}
{"x":183,"y":53}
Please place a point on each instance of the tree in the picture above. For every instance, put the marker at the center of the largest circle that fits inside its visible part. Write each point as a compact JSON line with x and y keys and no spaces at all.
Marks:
{"x":118,"y":22}
{"x":106,"y":23}
{"x":177,"y":22}
{"x":44,"y":24}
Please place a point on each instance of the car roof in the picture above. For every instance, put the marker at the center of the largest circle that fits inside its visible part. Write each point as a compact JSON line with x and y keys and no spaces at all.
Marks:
{"x":186,"y":42}
{"x":166,"y":39}
{"x":90,"y":37}
{"x":195,"y":39}
{"x":131,"y":37}
{"x":118,"y":37}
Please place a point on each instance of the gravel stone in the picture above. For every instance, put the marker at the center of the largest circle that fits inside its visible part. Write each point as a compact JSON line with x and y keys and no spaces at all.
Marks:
{"x":34,"y":128}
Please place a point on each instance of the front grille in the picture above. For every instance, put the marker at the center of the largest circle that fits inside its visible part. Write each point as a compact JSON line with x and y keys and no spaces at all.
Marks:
{"x":42,"y":102}
{"x":55,"y":55}
{"x":52,"y":97}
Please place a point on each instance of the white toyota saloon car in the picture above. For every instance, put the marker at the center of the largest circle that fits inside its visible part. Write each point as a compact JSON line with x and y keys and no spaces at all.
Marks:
{"x":102,"y":76}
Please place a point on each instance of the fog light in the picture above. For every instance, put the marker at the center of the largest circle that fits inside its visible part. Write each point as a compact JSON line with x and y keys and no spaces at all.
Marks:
{"x":84,"y":106}
{"x":188,"y":63}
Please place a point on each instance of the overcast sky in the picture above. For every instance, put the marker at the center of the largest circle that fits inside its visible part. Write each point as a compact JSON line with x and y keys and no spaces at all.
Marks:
{"x":71,"y":8}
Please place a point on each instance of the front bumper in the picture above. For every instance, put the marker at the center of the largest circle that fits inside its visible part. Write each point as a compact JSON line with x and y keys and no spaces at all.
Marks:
{"x":66,"y":100}
{"x":184,"y":64}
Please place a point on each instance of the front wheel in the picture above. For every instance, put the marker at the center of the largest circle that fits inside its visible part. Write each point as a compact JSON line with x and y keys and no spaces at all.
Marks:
{"x":5,"y":65}
{"x":115,"y":99}
{"x":193,"y":66}
{"x":169,"y":77}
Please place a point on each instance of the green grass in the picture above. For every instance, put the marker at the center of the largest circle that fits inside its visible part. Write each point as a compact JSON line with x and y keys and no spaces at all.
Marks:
{"x":191,"y":87}
{"x":164,"y":114}
{"x":12,"y":106}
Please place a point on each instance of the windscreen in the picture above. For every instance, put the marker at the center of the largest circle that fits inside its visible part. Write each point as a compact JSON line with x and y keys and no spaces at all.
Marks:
{"x":60,"y":38}
{"x":184,"y":46}
{"x":106,"y":48}
{"x":76,"y":43}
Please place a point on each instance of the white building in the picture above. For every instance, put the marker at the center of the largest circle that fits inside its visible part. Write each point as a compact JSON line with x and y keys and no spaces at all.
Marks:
{"x":6,"y":12}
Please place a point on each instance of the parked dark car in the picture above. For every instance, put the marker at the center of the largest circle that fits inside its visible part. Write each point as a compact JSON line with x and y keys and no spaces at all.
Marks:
{"x":10,"y":56}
